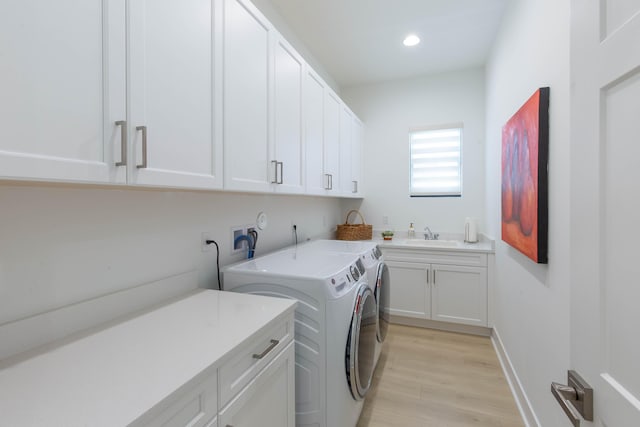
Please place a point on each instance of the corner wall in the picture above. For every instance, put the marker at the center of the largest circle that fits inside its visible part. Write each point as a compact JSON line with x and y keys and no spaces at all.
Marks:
{"x":60,"y":245}
{"x":389,"y":111}
{"x":531,"y":309}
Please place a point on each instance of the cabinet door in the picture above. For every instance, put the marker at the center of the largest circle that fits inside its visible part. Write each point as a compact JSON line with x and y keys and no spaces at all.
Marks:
{"x":410,"y":293}
{"x":62,"y":86}
{"x":356,"y":157}
{"x":314,"y":133}
{"x":288,"y":147}
{"x":332,"y":142}
{"x":195,"y":405}
{"x":269,"y":399}
{"x":172,"y":95}
{"x":246,"y":96}
{"x":459,"y":294}
{"x":346,"y":129}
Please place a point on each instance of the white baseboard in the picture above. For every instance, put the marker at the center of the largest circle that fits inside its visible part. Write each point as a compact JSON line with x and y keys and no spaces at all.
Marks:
{"x":524,"y":406}
{"x":442,"y":326}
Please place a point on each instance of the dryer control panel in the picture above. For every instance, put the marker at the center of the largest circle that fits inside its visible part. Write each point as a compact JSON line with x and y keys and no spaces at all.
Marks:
{"x":344,"y":281}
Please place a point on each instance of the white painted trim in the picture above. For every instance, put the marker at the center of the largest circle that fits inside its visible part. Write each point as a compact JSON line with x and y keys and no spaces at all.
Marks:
{"x":524,"y":405}
{"x":442,"y":326}
{"x":38,"y":330}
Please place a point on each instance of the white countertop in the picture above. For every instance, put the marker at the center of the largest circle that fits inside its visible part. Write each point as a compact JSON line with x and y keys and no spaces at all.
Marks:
{"x":486,"y":246}
{"x":112,"y":377}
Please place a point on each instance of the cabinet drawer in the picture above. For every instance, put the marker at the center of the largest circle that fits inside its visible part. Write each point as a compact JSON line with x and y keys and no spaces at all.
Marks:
{"x":268,"y":400}
{"x":195,"y":406}
{"x":474,"y":259}
{"x":250,"y":358}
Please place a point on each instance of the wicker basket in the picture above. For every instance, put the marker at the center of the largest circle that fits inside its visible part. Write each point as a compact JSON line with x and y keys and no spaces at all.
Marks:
{"x":348,"y":231}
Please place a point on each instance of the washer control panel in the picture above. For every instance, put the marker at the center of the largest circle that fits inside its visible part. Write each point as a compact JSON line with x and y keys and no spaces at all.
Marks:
{"x":344,"y":281}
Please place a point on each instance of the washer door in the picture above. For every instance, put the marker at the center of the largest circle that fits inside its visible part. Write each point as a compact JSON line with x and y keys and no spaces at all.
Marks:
{"x":382,"y":298}
{"x":361,"y":343}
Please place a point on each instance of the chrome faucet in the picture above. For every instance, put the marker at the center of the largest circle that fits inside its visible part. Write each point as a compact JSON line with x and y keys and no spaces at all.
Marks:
{"x":430,"y":235}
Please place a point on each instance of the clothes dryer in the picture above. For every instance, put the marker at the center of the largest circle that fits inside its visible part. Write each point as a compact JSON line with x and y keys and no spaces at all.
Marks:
{"x":335,"y":327}
{"x":377,"y":276}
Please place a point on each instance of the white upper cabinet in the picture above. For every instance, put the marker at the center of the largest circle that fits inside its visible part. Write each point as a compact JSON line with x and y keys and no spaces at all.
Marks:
{"x":246,"y":61}
{"x":313,"y":108}
{"x":332,"y":111}
{"x":357,"y":138}
{"x":199,"y":94}
{"x":350,"y":153}
{"x":288,"y":149}
{"x":62,"y":86}
{"x":172,"y":94}
{"x":346,"y":140}
{"x":70,"y":114}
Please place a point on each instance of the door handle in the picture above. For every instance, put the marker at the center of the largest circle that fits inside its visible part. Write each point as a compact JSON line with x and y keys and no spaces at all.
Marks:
{"x":576,"y":398}
{"x":123,"y":142}
{"x":275,"y":171}
{"x":143,"y":129}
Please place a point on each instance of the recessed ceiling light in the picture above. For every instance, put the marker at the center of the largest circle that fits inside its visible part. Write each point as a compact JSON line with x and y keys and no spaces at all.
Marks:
{"x":411,"y":40}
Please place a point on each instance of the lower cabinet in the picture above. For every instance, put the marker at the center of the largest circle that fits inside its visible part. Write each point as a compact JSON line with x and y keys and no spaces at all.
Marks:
{"x":253,"y":386}
{"x":443,"y":291}
{"x":195,"y":406}
{"x":268,"y":400}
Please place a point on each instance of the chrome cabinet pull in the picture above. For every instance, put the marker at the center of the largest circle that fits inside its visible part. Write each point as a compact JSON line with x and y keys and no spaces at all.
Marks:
{"x":144,"y":146}
{"x":277,"y":164}
{"x":123,"y":142}
{"x":327,"y":187}
{"x":275,"y":171}
{"x":355,"y":186}
{"x":434,"y":277}
{"x":428,"y":275}
{"x":273,"y":344}
{"x":281,"y":172}
{"x":330,"y":181}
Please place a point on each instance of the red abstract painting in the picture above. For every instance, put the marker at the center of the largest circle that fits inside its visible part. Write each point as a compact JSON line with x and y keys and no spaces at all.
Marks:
{"x":525,"y":152}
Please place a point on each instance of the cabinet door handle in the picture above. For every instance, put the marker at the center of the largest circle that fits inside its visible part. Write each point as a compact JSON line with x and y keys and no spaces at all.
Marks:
{"x":327,"y":187}
{"x":428,"y":275}
{"x":355,"y":186}
{"x":434,"y":277}
{"x":266,"y":351}
{"x":330,"y":182}
{"x":280,"y":181}
{"x":123,"y":142}
{"x":275,"y":171}
{"x":143,"y":165}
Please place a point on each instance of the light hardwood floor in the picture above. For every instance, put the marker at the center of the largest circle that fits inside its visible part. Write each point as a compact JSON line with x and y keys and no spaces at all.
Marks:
{"x":433,"y":378}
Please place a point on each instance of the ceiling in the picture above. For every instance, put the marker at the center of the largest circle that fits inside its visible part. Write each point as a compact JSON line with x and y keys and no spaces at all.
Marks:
{"x":360,"y":41}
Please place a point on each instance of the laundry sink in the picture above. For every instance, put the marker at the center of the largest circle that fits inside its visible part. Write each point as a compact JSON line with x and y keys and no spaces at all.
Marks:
{"x":431,"y":243}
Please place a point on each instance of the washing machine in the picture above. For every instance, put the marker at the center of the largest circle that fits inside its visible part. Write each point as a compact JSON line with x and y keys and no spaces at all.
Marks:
{"x":335,"y":327}
{"x":377,"y":276}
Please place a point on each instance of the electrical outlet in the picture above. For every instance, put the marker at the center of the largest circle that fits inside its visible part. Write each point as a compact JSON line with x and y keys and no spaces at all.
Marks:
{"x":385,"y":220}
{"x":206,"y":235}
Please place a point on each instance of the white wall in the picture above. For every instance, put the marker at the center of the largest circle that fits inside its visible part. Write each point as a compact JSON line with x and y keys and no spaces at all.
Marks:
{"x":59,"y":245}
{"x":532,"y":301}
{"x":389,"y":111}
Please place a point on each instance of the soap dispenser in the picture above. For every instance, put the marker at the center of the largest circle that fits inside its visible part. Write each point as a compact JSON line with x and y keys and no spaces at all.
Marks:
{"x":412,"y":231}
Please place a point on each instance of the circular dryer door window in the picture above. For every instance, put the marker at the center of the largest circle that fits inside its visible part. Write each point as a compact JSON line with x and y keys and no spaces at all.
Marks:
{"x":361,"y":343}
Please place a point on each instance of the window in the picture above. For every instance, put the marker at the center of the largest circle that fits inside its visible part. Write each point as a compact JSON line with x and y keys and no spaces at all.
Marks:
{"x":436,"y":159}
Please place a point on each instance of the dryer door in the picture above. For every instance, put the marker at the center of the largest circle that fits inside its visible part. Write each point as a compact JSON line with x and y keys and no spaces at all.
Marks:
{"x":361,"y":343}
{"x":382,"y":298}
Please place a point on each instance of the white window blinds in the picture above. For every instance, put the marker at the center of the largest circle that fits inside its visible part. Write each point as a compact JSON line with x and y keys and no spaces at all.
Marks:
{"x":436,"y":160}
